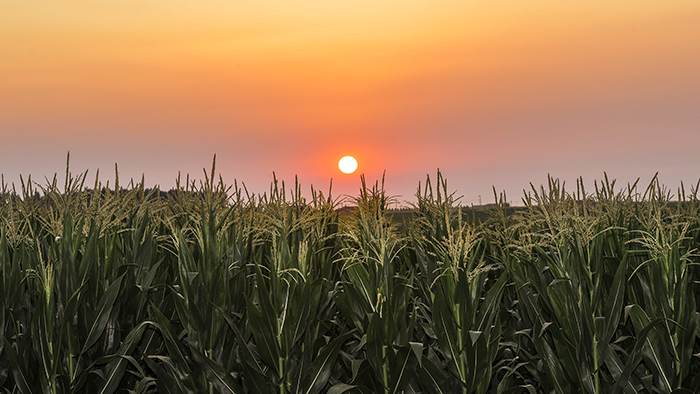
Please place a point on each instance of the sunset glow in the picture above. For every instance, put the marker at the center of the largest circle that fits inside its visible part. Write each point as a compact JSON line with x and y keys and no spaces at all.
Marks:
{"x":493,"y":93}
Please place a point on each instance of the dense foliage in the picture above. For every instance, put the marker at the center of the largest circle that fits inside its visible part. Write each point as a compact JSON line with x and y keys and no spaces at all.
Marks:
{"x":207,"y":289}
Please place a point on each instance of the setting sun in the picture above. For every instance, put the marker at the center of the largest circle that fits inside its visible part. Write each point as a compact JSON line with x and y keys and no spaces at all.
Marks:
{"x":347,"y":164}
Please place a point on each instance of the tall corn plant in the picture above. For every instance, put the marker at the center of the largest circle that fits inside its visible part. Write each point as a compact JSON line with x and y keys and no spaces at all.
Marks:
{"x":213,"y":290}
{"x":460,"y":296}
{"x":67,"y":336}
{"x":205,"y":244}
{"x":666,"y":261}
{"x":570,"y":275}
{"x":589,"y":319}
{"x":290,"y":311}
{"x":375,"y":298}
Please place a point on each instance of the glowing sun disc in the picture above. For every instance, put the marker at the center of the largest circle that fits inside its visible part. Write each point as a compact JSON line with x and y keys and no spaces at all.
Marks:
{"x":347,"y":164}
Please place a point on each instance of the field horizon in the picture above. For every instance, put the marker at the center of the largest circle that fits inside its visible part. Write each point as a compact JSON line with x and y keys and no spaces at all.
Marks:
{"x":215,"y":290}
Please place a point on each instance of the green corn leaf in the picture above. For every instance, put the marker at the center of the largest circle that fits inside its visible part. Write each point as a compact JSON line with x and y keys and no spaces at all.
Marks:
{"x":165,"y":382}
{"x":417,"y":348}
{"x":655,"y":352}
{"x":17,"y":369}
{"x":175,"y":349}
{"x":104,"y":309}
{"x":446,"y":332}
{"x":145,"y":386}
{"x":216,"y":374}
{"x":400,"y":297}
{"x":298,"y":313}
{"x":42,"y":336}
{"x":255,"y":380}
{"x":145,"y":284}
{"x":269,"y":314}
{"x":185,"y":266}
{"x":489,"y":307}
{"x":686,"y":311}
{"x":636,"y":355}
{"x":432,"y":378}
{"x":138,"y":235}
{"x":2,"y":329}
{"x":360,"y":279}
{"x":264,"y":335}
{"x":340,"y":388}
{"x":321,"y":367}
{"x":526,"y":388}
{"x":612,"y":309}
{"x":568,"y":314}
{"x":114,"y":372}
{"x":551,"y":360}
{"x":402,"y":369}
{"x":615,"y":366}
{"x":71,"y":307}
{"x":375,"y":344}
{"x":357,"y":366}
{"x":478,"y":362}
{"x":344,"y":300}
{"x":244,"y":348}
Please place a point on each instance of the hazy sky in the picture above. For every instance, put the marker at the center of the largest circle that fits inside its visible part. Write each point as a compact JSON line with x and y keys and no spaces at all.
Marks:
{"x":493,"y":93}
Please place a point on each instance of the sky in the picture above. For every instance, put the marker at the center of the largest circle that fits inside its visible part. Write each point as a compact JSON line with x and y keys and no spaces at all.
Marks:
{"x":494,"y":94}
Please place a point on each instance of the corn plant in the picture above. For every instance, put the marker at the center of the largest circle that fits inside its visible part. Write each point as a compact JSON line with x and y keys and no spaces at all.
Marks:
{"x":210,"y":289}
{"x":461,"y":292}
{"x":375,"y":296}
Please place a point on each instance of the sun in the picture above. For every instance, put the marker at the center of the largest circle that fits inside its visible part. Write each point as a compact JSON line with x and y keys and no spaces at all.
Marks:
{"x":347,"y":164}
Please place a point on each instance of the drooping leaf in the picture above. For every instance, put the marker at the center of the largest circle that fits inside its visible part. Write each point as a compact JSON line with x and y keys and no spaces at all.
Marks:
{"x":165,"y":382}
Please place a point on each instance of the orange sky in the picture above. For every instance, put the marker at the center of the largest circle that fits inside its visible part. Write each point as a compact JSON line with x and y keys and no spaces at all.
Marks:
{"x":494,"y":93}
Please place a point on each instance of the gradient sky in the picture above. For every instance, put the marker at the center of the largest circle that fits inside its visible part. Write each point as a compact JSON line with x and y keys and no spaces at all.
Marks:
{"x":493,"y":93}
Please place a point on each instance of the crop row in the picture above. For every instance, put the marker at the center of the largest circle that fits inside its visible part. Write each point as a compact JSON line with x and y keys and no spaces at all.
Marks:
{"x":212,"y":290}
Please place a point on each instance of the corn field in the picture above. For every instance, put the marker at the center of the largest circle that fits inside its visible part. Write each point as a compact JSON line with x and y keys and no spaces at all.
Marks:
{"x":213,"y":290}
